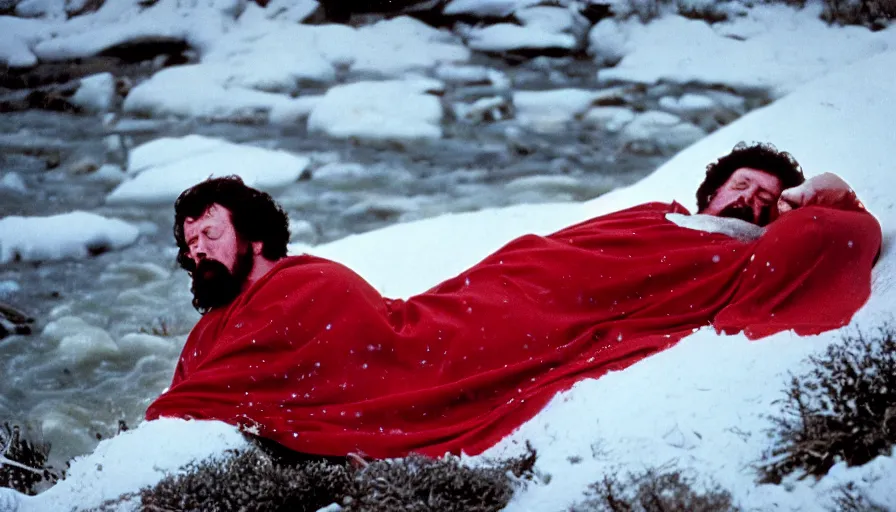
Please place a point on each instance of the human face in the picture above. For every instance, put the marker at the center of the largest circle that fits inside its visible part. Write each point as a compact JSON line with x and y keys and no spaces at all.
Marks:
{"x":211,"y":236}
{"x":749,"y":194}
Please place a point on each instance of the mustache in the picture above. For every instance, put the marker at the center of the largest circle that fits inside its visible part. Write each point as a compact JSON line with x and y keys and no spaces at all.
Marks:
{"x":738,"y":211}
{"x":745,"y":213}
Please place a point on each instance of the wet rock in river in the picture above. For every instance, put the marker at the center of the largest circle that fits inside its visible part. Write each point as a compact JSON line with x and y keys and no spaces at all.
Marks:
{"x":611,"y":119}
{"x":13,"y":181}
{"x":656,"y":132}
{"x":493,"y":108}
{"x":12,"y":319}
{"x":550,"y":110}
{"x":607,"y":42}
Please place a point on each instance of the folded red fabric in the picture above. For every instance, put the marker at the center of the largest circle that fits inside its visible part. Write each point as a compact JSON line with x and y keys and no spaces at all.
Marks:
{"x":313,"y":357}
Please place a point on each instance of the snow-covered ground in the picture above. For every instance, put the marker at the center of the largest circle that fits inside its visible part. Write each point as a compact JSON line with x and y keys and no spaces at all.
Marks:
{"x":700,"y":406}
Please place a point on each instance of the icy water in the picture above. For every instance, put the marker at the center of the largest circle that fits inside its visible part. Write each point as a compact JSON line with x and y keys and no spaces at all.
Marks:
{"x":135,"y":305}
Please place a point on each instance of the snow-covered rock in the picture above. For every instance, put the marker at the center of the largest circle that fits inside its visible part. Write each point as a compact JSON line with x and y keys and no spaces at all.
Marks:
{"x":688,"y":104}
{"x":41,"y":9}
{"x":658,"y":132}
{"x":387,"y":110}
{"x":486,"y":8}
{"x":610,"y":118}
{"x":17,"y":36}
{"x":396,"y":46}
{"x":96,"y":93}
{"x":292,"y":11}
{"x":69,"y":235}
{"x":503,"y":37}
{"x":546,"y":109}
{"x":160,"y":177}
{"x":608,"y":41}
{"x":197,"y":91}
{"x":14,"y":182}
{"x":550,"y":18}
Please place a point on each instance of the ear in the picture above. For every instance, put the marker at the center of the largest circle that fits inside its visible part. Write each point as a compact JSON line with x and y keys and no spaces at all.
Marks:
{"x":257,"y":247}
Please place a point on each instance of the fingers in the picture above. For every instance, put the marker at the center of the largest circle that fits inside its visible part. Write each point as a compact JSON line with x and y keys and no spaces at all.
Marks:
{"x":783,"y":207}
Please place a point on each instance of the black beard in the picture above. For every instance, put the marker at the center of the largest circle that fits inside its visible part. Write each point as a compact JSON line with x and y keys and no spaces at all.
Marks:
{"x":215,"y":286}
{"x":738,"y":211}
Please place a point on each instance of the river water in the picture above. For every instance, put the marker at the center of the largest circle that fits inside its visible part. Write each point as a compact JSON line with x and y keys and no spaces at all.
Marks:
{"x":136,"y":303}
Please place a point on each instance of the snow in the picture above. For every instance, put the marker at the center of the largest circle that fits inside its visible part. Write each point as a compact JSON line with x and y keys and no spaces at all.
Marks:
{"x":502,"y":37}
{"x":12,"y":181}
{"x":486,"y":8}
{"x":551,"y":19}
{"x":16,"y":38}
{"x":165,"y":94}
{"x":611,"y":119}
{"x":293,"y":11}
{"x":701,"y":406}
{"x":688,"y":103}
{"x":163,"y":168}
{"x":386,"y":110}
{"x":794,"y":47}
{"x":655,"y":131}
{"x":250,"y":72}
{"x":163,"y":446}
{"x":68,"y":235}
{"x":96,"y":93}
{"x":392,"y":47}
{"x":546,"y":108}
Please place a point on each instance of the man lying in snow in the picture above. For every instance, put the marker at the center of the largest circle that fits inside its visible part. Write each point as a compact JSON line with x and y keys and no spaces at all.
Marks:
{"x":304,"y":352}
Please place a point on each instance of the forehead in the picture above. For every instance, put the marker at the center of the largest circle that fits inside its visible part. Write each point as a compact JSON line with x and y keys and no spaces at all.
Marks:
{"x":215,"y":215}
{"x":764,"y":179}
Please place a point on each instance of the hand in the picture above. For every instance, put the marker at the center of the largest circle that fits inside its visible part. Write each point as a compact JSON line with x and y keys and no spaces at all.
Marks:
{"x":824,"y":190}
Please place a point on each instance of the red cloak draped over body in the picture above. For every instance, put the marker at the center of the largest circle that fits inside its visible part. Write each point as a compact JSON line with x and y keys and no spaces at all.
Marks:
{"x":317,"y":360}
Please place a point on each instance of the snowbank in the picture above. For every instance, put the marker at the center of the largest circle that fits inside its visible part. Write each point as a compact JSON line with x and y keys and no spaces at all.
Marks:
{"x":165,"y":167}
{"x":134,"y":459}
{"x":70,"y":235}
{"x":791,"y":48}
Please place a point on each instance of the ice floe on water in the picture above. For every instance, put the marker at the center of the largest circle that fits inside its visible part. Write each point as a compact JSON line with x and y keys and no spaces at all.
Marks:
{"x":395,"y":109}
{"x":69,"y":235}
{"x":160,"y":176}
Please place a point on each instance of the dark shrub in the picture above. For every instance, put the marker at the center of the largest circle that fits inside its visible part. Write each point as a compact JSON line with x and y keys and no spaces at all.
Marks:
{"x":253,"y":480}
{"x":22,"y":463}
{"x":844,"y":408}
{"x":850,"y":498}
{"x":653,"y":491}
{"x":872,"y":13}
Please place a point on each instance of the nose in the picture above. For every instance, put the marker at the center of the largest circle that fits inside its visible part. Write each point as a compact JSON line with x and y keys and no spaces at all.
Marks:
{"x":199,"y":251}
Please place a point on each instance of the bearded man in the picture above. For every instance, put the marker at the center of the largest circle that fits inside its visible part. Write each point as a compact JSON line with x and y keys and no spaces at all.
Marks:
{"x":303,"y":352}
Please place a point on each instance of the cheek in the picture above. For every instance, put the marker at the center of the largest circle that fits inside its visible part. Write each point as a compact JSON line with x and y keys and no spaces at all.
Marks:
{"x":719,"y":201}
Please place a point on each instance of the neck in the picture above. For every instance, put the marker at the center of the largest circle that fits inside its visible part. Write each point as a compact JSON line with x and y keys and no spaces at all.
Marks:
{"x":260,"y":267}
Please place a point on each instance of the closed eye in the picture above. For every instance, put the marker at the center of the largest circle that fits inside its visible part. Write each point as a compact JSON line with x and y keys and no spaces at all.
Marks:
{"x":766,"y":197}
{"x":213,"y":233}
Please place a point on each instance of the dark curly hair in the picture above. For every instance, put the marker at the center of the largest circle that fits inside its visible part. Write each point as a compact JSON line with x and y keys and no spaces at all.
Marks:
{"x":761,"y":156}
{"x":255,"y":216}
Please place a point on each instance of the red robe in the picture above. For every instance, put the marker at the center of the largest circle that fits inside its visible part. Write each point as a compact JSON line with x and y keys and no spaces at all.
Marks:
{"x":316,"y":359}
